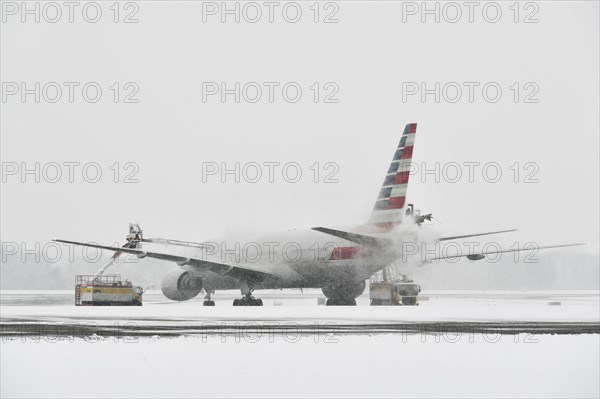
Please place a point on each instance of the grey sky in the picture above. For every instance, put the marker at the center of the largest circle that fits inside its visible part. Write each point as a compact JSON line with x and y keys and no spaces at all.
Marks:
{"x":368,"y":54}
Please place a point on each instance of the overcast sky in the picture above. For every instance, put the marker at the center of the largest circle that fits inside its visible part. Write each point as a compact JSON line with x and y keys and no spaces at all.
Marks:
{"x":370,"y":57}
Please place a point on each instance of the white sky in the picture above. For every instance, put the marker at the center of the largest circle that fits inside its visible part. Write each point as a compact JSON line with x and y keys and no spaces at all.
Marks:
{"x":369,"y":54}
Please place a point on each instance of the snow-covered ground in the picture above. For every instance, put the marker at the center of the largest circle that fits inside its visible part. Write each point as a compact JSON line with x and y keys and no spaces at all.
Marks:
{"x":348,"y":366}
{"x":275,"y":363}
{"x":299,"y":307}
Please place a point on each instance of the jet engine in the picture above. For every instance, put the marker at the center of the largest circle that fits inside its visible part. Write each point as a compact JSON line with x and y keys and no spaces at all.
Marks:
{"x":181,"y":285}
{"x":351,"y":289}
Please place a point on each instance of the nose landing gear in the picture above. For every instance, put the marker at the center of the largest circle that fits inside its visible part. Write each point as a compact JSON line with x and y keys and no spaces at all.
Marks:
{"x":207,"y":300}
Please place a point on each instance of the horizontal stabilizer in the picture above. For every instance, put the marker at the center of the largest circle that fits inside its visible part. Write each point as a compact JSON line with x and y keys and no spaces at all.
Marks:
{"x":360,"y":239}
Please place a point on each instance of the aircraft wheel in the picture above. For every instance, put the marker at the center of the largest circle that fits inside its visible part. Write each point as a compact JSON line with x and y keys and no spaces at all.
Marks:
{"x":350,"y":302}
{"x":247,"y":301}
{"x":209,"y":303}
{"x":341,"y":302}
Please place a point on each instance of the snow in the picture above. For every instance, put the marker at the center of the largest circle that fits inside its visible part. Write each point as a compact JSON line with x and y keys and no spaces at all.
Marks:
{"x":314,"y":363}
{"x":350,"y":366}
{"x":302,"y":308}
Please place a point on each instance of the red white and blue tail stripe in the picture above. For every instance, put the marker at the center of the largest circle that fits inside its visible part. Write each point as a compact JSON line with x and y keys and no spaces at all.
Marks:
{"x":389,"y":207}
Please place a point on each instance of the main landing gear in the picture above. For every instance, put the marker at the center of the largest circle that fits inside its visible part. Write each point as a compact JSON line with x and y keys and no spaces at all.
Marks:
{"x":344,"y":293}
{"x":341,"y":302}
{"x":248,"y":300}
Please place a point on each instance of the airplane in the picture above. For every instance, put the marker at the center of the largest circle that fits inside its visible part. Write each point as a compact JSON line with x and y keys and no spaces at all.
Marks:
{"x":336,"y":261}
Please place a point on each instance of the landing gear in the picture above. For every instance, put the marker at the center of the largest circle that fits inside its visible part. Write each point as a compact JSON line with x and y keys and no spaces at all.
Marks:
{"x":341,"y":302}
{"x":343,"y":293}
{"x":247,"y":287}
{"x":207,"y":300}
{"x":248,"y":300}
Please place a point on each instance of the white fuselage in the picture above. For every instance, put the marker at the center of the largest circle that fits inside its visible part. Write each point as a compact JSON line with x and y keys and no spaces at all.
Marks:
{"x":297,"y":258}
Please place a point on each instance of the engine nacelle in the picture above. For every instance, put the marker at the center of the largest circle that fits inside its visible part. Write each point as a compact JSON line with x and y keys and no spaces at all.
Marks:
{"x":475,"y":257}
{"x":351,"y":289}
{"x":180,"y":285}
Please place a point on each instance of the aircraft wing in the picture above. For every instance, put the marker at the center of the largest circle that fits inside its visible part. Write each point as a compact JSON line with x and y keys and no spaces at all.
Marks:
{"x":236,"y":270}
{"x":476,"y":235}
{"x":481,"y":255}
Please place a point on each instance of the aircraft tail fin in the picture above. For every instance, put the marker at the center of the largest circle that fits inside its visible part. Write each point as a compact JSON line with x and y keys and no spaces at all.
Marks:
{"x":389,"y":206}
